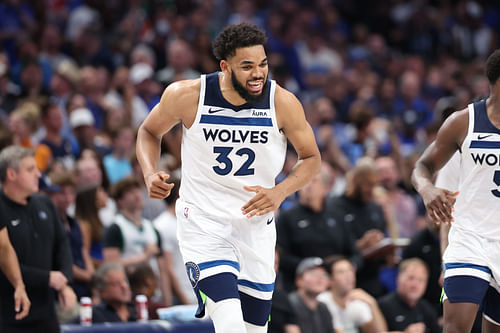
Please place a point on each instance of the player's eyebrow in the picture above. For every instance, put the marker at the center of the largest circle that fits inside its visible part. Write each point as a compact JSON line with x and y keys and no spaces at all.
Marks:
{"x":248,"y":62}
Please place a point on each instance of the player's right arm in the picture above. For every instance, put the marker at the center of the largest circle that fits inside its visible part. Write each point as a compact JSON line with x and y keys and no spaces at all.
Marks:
{"x":178,"y":104}
{"x":439,"y":202}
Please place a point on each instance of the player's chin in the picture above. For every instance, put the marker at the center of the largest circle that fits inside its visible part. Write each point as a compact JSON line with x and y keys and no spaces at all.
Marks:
{"x":254,"y":91}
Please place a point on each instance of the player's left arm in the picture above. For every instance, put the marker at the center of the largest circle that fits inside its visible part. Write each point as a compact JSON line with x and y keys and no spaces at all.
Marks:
{"x":293,"y":123}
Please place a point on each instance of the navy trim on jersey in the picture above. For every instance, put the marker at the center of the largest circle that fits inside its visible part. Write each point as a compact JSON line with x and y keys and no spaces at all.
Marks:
{"x":213,"y":95}
{"x":256,"y":285}
{"x":452,"y":265}
{"x":223,"y":120}
{"x":485,"y":144}
{"x":209,"y":264}
{"x":482,"y":123}
{"x":255,"y":311}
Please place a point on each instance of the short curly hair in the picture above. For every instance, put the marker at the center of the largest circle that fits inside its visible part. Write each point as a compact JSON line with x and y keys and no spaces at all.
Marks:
{"x":236,"y":36}
{"x":493,"y":67}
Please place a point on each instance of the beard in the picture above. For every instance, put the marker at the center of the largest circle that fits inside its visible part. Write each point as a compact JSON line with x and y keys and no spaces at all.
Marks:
{"x":243,"y":92}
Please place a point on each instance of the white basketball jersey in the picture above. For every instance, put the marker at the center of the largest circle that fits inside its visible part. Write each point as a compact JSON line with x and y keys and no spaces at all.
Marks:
{"x":228,"y":147}
{"x":135,"y":239}
{"x":478,"y":205}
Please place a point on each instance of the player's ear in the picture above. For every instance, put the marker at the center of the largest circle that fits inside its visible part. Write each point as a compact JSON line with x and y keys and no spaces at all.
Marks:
{"x":224,"y":65}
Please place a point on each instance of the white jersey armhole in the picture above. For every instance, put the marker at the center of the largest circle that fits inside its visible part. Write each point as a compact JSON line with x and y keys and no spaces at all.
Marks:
{"x":201,"y":100}
{"x":272,"y":106}
{"x":470,"y":128}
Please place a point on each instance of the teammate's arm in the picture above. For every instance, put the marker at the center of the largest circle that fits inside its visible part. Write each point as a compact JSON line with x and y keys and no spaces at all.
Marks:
{"x":292,"y":122}
{"x":178,"y":104}
{"x":10,"y":266}
{"x":439,"y":202}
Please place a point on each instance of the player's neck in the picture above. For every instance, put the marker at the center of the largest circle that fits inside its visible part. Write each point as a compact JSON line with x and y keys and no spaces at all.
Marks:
{"x":493,"y":108}
{"x":228,"y":91}
{"x":493,"y":102}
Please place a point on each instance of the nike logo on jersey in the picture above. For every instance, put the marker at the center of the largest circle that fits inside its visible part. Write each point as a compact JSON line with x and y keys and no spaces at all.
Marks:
{"x":480,"y":137}
{"x":211,"y":110}
{"x":269,"y":221}
{"x":15,"y":222}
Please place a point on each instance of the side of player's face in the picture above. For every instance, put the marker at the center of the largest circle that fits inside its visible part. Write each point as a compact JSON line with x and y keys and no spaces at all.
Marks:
{"x":249,"y":70}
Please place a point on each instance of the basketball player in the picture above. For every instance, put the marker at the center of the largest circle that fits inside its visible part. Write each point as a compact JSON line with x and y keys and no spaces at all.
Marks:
{"x":472,"y":258}
{"x":235,"y":128}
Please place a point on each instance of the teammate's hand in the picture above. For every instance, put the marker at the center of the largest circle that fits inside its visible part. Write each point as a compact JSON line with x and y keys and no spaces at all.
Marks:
{"x":264,"y":201}
{"x":22,"y":303}
{"x":439,"y":204}
{"x":157,"y":186}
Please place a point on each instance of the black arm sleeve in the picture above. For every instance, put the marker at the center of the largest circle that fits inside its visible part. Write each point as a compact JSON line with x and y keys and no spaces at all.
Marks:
{"x":63,"y":260}
{"x":35,"y":277}
{"x":113,"y":237}
{"x":350,"y":247}
{"x":159,"y":242}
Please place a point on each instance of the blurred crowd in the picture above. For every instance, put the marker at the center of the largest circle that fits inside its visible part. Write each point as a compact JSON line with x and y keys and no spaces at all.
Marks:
{"x":77,"y":78}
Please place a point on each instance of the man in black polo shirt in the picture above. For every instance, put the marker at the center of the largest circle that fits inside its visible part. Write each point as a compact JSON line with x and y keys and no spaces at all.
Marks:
{"x":310,"y":229}
{"x":405,"y":308}
{"x":40,"y":242}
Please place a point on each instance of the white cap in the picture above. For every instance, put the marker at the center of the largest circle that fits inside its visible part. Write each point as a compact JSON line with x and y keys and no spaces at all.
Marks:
{"x":140,"y":72}
{"x":81,"y":117}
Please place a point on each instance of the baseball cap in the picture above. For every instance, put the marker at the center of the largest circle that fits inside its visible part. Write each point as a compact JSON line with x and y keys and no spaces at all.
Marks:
{"x":140,"y":72}
{"x":81,"y":117}
{"x":45,"y":184}
{"x":308,"y":264}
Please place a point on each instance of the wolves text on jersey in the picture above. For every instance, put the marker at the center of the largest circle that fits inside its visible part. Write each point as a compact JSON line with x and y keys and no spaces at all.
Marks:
{"x":235,"y":136}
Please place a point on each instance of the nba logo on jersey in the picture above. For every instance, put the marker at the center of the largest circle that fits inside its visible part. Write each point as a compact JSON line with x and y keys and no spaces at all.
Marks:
{"x":186,"y":212}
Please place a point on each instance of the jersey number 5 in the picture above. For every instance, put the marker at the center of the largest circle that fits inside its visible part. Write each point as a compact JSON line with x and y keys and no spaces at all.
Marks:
{"x":223,"y":158}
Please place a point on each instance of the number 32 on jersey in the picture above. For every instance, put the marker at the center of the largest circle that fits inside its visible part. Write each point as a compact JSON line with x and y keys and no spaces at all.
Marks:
{"x":225,"y":157}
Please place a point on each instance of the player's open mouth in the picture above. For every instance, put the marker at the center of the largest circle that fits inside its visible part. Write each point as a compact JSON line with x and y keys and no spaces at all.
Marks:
{"x":255,"y":86}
